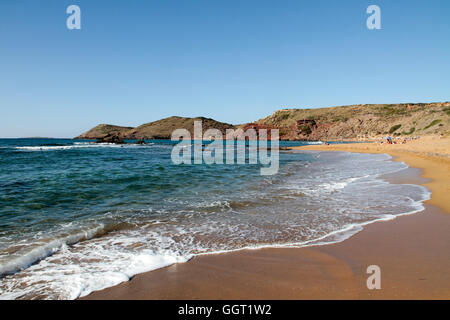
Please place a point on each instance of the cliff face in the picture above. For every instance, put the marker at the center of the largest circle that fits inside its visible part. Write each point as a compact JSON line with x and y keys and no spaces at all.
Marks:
{"x":348,"y":122}
{"x":361,"y":121}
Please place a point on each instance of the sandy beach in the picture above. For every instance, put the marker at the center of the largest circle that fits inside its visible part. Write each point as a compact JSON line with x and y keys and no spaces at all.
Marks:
{"x":431,"y":154}
{"x":412,"y":251}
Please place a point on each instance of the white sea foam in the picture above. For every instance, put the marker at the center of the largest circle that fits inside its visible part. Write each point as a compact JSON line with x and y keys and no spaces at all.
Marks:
{"x":71,"y":281}
{"x":79,"y":145}
{"x":37,"y":251}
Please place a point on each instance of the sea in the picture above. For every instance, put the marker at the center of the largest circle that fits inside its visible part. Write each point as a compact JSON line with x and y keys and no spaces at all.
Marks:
{"x":78,"y":216}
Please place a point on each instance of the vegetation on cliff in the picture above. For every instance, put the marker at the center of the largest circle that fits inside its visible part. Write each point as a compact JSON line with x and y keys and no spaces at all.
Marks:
{"x":347,"y":122}
{"x":361,"y":121}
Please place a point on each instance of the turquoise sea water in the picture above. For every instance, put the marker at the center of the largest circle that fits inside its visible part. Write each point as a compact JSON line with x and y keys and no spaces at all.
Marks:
{"x":77,"y":216}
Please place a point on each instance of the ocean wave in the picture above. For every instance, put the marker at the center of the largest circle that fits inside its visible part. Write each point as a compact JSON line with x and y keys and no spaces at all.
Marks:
{"x":71,"y":283}
{"x":335,"y":186}
{"x":38,"y":251}
{"x":78,"y":145}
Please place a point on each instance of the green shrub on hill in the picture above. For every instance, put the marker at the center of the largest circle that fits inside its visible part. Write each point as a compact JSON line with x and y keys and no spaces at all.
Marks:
{"x":306,"y":129}
{"x":433,"y":123}
{"x":411,"y":131}
{"x":394,"y":128}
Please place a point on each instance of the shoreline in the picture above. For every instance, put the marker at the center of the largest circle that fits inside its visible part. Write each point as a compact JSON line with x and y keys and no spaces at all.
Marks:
{"x":410,"y":270}
{"x":331,"y":271}
{"x":430,"y":154}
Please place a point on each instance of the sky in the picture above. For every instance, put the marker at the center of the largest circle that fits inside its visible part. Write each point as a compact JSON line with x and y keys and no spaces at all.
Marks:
{"x":136,"y":61}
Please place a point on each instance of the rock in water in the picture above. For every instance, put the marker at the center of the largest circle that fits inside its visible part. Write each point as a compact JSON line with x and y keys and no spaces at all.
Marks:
{"x":141,"y":141}
{"x":111,"y":139}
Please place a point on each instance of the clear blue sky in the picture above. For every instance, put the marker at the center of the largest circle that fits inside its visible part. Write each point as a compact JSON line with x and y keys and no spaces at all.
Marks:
{"x":137,"y":61}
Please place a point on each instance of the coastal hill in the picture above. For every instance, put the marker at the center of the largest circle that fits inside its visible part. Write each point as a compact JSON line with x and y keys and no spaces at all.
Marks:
{"x":103,"y":130}
{"x":336,"y":123}
{"x":360,"y":121}
{"x":161,"y":129}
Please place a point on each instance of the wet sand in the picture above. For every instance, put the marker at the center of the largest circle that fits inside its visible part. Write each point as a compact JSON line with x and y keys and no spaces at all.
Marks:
{"x":412,"y":251}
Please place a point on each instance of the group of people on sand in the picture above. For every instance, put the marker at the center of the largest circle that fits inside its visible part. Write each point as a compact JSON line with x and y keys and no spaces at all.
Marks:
{"x":390,"y":140}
